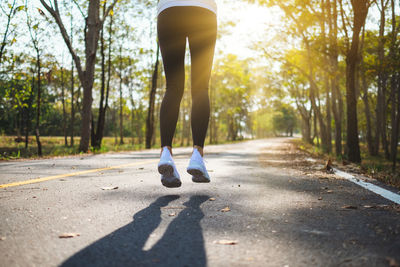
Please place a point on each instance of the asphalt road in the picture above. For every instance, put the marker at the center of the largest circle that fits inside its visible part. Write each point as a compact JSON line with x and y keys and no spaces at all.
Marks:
{"x":279,"y":211}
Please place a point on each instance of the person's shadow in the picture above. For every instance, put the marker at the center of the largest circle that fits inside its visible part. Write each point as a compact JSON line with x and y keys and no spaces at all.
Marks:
{"x":181,"y":245}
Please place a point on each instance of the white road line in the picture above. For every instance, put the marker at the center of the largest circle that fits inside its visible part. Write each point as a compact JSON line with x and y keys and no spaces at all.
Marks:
{"x":371,"y":187}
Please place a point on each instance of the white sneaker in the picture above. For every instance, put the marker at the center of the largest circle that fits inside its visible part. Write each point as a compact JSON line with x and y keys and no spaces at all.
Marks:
{"x":197,"y":168}
{"x":166,"y":167}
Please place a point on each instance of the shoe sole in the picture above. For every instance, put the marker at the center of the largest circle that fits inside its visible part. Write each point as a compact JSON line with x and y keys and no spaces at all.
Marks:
{"x":166,"y":170}
{"x":198,"y":176}
{"x":171,"y":182}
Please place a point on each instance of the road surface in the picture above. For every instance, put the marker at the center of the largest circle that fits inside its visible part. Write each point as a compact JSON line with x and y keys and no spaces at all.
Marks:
{"x":266,"y":205}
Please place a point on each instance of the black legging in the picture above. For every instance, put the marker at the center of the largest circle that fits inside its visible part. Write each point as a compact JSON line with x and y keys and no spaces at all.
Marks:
{"x":199,"y":25}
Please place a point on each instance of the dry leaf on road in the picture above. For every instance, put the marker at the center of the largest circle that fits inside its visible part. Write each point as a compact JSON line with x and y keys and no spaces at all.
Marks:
{"x":349,"y":207}
{"x":68,"y":235}
{"x":109,"y":188}
{"x":226,"y":209}
{"x":392,"y":262}
{"x":172,"y":214}
{"x":227,"y":242}
{"x":212,"y":199}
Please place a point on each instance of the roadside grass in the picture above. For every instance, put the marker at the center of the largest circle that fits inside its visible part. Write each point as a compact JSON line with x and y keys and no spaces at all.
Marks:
{"x":376,"y":167}
{"x":53,"y":146}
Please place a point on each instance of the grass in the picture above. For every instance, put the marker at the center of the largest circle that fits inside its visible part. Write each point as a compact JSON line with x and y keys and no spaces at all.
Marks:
{"x":376,"y":167}
{"x":53,"y":146}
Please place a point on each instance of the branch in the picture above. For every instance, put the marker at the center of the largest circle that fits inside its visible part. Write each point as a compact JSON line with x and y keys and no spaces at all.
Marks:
{"x":79,"y":8}
{"x":9,"y":17}
{"x":107,"y":12}
{"x":56,"y":15}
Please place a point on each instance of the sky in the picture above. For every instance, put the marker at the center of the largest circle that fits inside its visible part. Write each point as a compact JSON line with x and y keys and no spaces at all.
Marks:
{"x":252,"y":23}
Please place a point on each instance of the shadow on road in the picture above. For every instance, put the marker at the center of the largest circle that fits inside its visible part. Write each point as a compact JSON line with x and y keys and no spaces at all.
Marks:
{"x":181,"y":245}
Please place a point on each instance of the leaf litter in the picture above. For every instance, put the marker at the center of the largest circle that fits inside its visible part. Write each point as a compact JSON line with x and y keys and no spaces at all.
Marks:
{"x":69,"y":235}
{"x":226,"y":209}
{"x":226,"y":242}
{"x":109,"y":188}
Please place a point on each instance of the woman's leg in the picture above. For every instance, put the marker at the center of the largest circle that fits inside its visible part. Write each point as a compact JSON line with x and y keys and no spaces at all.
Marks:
{"x":172,"y":39}
{"x":202,"y":38}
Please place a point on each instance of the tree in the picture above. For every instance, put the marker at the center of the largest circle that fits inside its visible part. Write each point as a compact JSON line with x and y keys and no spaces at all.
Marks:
{"x":152,"y":95}
{"x":35,"y":38}
{"x":12,"y":10}
{"x":97,"y":136}
{"x":360,"y":11}
{"x":93,"y":25}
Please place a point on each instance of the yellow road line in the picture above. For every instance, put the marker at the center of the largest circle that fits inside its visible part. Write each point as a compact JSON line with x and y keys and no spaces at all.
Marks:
{"x":39,"y":180}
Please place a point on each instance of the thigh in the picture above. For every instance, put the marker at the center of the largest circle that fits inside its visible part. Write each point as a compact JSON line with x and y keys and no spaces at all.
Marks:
{"x":202,"y":38}
{"x":172,"y":40}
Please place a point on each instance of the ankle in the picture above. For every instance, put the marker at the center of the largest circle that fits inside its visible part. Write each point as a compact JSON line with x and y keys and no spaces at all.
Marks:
{"x":200,"y":149}
{"x":169,"y":148}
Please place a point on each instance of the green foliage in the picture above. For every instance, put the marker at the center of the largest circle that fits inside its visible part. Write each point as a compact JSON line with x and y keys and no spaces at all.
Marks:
{"x":284,"y":120}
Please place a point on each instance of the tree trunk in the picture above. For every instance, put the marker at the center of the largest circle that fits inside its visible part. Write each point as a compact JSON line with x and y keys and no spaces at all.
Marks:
{"x":325,"y":8}
{"x":72,"y":122}
{"x":360,"y":9}
{"x":395,"y":110}
{"x":63,"y":105}
{"x":97,"y":135}
{"x":328,"y":117}
{"x":86,"y":76}
{"x":121,"y":115}
{"x":382,"y":81}
{"x":38,"y":102}
{"x":365,"y":98}
{"x":28,"y":112}
{"x":150,"y":113}
{"x":334,"y":83}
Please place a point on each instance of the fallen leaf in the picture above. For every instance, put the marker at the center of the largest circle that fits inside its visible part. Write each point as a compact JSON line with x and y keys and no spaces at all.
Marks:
{"x":329,"y":191}
{"x":141,"y":168}
{"x":109,"y":188}
{"x":2,"y":238}
{"x":172,"y":214}
{"x":349,"y":207}
{"x":320,"y":198}
{"x":212,"y":199}
{"x":382,"y":206}
{"x":226,"y":242}
{"x":68,"y":235}
{"x":392,"y":262}
{"x":226,"y":209}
